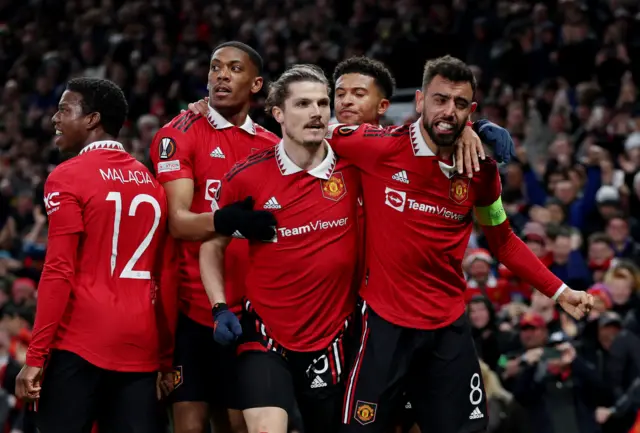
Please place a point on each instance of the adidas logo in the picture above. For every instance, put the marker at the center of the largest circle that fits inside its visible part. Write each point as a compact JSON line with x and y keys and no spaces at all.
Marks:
{"x":401,"y":176}
{"x":217,"y":153}
{"x":272,"y":203}
{"x":476,"y":414}
{"x":318,"y":383}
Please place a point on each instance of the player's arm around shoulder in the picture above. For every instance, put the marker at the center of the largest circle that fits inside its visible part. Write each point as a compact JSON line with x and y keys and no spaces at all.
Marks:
{"x":363,"y":145}
{"x":173,"y":161}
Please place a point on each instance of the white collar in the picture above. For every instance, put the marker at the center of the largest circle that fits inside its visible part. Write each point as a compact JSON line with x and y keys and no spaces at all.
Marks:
{"x":323,"y":171}
{"x":218,"y":122}
{"x":421,"y":148}
{"x":102,"y":145}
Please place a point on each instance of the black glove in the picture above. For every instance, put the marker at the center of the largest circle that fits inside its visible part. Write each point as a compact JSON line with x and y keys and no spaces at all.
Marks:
{"x":240,"y":217}
{"x":496,"y":137}
{"x":226,"y":326}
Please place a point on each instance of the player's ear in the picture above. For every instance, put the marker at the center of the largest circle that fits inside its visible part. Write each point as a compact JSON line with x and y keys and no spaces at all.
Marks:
{"x":278,"y":114}
{"x":419,"y":101}
{"x":474,"y":106}
{"x":257,"y":85}
{"x":383,"y":106}
{"x":93,"y":120}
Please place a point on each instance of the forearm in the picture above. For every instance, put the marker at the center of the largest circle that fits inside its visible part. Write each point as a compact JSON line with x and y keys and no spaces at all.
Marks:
{"x":190,"y":226}
{"x":53,"y":295}
{"x":212,"y":268}
{"x":511,"y":251}
{"x":32,"y":236}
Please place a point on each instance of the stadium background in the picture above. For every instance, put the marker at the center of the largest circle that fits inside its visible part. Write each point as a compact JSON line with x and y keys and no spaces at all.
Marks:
{"x":562,"y":76}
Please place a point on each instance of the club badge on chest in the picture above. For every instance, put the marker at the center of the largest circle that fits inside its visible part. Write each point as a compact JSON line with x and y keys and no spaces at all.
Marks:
{"x":459,"y":189}
{"x":334,"y":188}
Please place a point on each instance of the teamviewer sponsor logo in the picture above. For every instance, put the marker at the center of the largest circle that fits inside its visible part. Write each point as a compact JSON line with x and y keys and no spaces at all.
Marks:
{"x":395,"y":199}
{"x":286,"y":232}
{"x":437,"y":210}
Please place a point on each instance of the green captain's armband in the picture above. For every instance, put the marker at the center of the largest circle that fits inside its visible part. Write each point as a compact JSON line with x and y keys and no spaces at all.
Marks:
{"x":492,"y":215}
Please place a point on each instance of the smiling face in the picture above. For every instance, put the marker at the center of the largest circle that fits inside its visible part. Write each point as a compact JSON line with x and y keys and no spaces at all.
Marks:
{"x":445,"y":107}
{"x":70,"y":122}
{"x":305,"y":114}
{"x":232,"y":79}
{"x":358,"y":100}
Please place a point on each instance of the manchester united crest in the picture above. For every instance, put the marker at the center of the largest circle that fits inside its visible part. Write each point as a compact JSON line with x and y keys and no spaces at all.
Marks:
{"x":177,"y":376}
{"x":459,"y":189}
{"x":334,"y":188}
{"x":365,"y":412}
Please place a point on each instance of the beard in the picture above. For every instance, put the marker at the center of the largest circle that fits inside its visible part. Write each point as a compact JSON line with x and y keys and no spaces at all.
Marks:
{"x":442,"y":140}
{"x":309,"y":144}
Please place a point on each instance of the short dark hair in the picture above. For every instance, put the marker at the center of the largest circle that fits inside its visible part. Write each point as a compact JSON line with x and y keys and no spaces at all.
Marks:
{"x":104,"y":97}
{"x":253,"y":54}
{"x":279,"y":89}
{"x":371,"y":68}
{"x":451,"y":68}
{"x":599,"y":238}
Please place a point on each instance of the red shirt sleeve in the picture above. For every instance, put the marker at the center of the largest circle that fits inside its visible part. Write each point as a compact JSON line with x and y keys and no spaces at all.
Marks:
{"x":63,"y":204}
{"x":508,"y":248}
{"x":358,"y":144}
{"x":167,"y":279}
{"x":53,"y":293}
{"x":230,"y":189}
{"x":172,"y":151}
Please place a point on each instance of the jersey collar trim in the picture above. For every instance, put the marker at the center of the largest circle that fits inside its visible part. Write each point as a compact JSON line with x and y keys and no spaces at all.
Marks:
{"x":420,"y":148}
{"x":218,"y":122}
{"x":102,"y":145}
{"x":323,"y":171}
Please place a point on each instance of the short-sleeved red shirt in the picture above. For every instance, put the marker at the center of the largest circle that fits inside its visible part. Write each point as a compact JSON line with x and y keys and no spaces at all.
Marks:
{"x":204,"y":149}
{"x":418,"y":220}
{"x":301,"y":285}
{"x":120,"y":212}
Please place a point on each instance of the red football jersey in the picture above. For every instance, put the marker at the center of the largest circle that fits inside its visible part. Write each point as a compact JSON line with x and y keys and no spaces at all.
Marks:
{"x":301,"y":285}
{"x":204,"y":149}
{"x":418,"y":219}
{"x":120,"y":212}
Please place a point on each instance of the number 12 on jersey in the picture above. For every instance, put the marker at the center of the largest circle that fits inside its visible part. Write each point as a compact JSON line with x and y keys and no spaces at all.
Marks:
{"x":128,"y":271}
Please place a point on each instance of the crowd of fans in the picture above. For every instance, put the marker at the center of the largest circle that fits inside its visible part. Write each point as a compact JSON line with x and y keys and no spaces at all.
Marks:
{"x":561,"y":76}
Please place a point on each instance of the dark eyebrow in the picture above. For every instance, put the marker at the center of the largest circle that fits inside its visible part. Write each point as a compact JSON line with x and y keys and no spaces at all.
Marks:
{"x":456,"y":99}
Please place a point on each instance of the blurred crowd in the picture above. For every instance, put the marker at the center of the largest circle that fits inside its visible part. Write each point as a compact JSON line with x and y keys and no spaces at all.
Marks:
{"x":561,"y":75}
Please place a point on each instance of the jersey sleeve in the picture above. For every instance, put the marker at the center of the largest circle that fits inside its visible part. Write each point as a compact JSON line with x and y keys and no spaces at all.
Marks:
{"x":230,"y":189}
{"x":63,"y":203}
{"x":488,"y":207}
{"x":361,"y":145}
{"x":172,"y":153}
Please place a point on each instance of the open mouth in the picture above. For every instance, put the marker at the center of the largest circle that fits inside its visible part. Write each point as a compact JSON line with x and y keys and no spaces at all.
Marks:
{"x":221,"y":89}
{"x":444,"y":127}
{"x":315,"y":126}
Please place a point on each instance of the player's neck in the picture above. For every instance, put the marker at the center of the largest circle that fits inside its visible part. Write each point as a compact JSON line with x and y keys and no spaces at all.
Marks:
{"x":444,"y":152}
{"x":307,"y":157}
{"x":92,"y":138}
{"x":234,"y":116}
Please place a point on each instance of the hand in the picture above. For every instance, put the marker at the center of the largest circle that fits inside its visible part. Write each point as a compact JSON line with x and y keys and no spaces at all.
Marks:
{"x":626,"y":164}
{"x":251,"y":224}
{"x":200,"y":107}
{"x":511,"y":369}
{"x":603,"y":414}
{"x":226,"y":326}
{"x":577,"y":304}
{"x":532,"y":356}
{"x":568,"y":353}
{"x":498,"y":138}
{"x":38,"y":217}
{"x":164,"y":384}
{"x":28,"y":383}
{"x":468,"y":147}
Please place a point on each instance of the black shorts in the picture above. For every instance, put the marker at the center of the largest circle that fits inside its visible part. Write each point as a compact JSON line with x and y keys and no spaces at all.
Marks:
{"x":272,"y":376}
{"x":205,"y":371}
{"x":438,"y":370}
{"x":76,"y":393}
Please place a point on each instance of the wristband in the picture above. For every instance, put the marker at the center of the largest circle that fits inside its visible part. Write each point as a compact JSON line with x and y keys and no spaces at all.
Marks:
{"x":555,"y":297}
{"x":219,"y":306}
